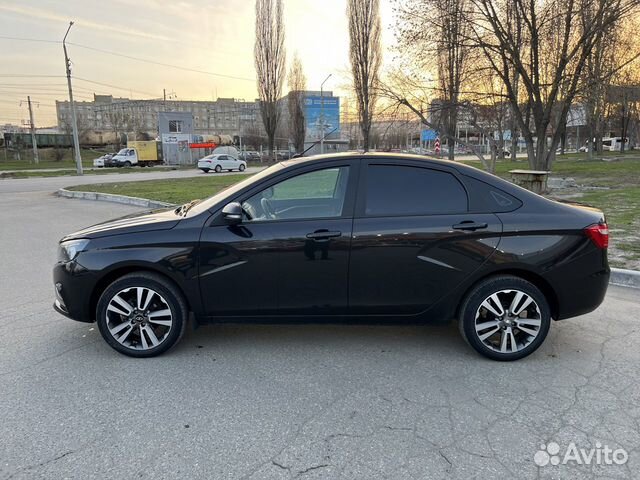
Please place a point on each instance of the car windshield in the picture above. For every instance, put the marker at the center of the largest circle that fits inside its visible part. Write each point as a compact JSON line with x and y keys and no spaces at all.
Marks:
{"x":212,"y":201}
{"x":123,"y":151}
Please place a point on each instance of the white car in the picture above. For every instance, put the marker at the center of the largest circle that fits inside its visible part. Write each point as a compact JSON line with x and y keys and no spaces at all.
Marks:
{"x":218,"y":162}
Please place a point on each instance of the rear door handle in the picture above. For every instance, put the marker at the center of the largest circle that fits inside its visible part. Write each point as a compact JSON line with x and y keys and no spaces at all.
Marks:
{"x":323,"y":234}
{"x":469,"y":225}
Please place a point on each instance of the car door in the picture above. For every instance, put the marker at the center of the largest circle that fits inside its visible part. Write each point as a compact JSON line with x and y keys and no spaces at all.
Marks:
{"x":290,"y":254}
{"x":222,"y":161}
{"x":414,"y":239}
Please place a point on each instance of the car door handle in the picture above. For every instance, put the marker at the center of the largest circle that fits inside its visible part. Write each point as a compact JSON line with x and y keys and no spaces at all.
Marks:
{"x":323,"y":234}
{"x":469,"y":225}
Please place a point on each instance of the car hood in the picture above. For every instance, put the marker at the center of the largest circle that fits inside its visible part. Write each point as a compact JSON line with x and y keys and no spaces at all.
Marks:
{"x":162,"y":219}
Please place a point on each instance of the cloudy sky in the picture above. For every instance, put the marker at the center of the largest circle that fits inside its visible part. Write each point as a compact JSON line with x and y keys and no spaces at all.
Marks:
{"x":214,"y":36}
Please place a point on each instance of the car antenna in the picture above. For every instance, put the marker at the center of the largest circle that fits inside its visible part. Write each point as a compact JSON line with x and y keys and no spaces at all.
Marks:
{"x":299,"y":155}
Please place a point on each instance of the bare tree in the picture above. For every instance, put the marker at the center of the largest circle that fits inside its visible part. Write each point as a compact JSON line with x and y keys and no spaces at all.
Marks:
{"x":549,"y":59}
{"x":297,"y":86}
{"x":119,"y":120}
{"x":434,"y":35}
{"x":366,"y":57}
{"x":270,"y":58}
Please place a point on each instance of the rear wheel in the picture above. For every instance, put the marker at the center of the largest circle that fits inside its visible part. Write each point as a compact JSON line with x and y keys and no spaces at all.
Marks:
{"x":205,"y":170}
{"x":505,"y":318}
{"x":141,"y":314}
{"x":218,"y":169}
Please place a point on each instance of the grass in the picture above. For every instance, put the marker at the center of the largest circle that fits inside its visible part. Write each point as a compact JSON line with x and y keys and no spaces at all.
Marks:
{"x":47,"y":159}
{"x":622,"y":209}
{"x":172,"y":191}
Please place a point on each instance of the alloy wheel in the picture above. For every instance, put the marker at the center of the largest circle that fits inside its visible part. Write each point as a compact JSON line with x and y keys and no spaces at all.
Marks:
{"x":508,"y":321}
{"x":139,"y":318}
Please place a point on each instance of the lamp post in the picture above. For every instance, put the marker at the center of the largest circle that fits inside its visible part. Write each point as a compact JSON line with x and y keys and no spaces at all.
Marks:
{"x":74,"y":120}
{"x":322,"y":113}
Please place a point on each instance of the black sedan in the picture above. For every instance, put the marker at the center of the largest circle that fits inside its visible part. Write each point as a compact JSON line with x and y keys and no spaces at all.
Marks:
{"x":342,"y":238}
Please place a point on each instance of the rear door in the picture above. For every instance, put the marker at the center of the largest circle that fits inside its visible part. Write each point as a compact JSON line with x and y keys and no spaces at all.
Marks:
{"x":414,"y":239}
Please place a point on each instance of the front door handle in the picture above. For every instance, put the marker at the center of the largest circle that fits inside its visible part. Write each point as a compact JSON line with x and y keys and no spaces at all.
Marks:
{"x":323,"y":234}
{"x":469,"y":225}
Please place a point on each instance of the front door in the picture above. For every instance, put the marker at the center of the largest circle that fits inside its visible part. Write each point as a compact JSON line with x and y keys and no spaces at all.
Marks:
{"x":290,"y":255}
{"x":413,"y":238}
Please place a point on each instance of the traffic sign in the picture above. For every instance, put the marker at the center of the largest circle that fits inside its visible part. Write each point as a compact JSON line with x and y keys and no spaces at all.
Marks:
{"x":437,"y":145}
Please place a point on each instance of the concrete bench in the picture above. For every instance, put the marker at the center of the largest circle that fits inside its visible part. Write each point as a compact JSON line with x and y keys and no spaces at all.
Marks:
{"x":534,"y":180}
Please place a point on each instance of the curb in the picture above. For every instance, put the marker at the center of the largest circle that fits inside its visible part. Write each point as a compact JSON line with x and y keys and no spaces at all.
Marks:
{"x":625,"y":278}
{"x":110,"y":197}
{"x":619,"y":276}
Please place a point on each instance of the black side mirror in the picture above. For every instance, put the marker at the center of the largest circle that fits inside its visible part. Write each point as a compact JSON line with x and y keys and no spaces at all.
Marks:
{"x":232,"y":213}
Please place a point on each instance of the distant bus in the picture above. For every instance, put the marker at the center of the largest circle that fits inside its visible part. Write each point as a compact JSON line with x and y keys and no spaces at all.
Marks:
{"x":614,"y":143}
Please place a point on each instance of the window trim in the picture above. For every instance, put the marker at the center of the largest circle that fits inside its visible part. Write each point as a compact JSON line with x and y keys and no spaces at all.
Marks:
{"x":306,"y":219}
{"x":360,"y":210}
{"x":349,"y":201}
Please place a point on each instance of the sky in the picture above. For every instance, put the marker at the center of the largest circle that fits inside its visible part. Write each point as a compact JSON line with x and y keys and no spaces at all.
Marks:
{"x":215,"y":36}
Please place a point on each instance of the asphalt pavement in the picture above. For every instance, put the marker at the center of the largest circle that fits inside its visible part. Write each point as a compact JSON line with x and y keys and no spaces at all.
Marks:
{"x":279,"y":402}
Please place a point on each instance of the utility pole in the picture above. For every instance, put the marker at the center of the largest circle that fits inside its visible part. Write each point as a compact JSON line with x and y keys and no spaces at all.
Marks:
{"x":34,"y":144}
{"x":322,"y":113}
{"x":74,"y":120}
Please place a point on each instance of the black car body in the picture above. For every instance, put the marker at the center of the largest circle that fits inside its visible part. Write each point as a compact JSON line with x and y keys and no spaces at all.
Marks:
{"x":380,"y":237}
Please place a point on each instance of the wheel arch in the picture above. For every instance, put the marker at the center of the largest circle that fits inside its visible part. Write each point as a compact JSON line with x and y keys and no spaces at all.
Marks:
{"x":543,"y":285}
{"x":118,"y":272}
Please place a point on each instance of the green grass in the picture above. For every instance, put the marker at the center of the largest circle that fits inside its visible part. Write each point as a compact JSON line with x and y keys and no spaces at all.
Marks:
{"x":172,"y":191}
{"x":47,"y":159}
{"x":622,"y":209}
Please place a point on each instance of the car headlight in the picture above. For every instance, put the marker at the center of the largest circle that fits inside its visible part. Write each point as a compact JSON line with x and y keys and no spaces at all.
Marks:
{"x":70,"y":249}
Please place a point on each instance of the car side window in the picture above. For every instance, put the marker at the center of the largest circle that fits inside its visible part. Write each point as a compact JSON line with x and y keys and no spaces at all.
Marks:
{"x":397,"y":190}
{"x":222,"y":157}
{"x":317,"y":194}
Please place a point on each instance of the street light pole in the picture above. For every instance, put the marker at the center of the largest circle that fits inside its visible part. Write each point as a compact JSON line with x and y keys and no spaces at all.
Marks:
{"x":322,"y":113}
{"x":34,"y":142}
{"x":76,"y":142}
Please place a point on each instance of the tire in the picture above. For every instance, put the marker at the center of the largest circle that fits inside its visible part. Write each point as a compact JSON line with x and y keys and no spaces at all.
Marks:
{"x":218,"y":169}
{"x":128,"y":338}
{"x":205,"y":170}
{"x":126,"y":164}
{"x":479,"y":309}
{"x":241,"y":169}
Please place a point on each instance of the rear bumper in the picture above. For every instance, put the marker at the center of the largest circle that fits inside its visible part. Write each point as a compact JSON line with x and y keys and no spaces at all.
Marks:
{"x":581,"y":285}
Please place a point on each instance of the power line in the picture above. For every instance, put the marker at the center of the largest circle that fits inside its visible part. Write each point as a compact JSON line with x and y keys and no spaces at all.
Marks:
{"x":114,"y":86}
{"x":131,"y":57}
{"x":162,"y":64}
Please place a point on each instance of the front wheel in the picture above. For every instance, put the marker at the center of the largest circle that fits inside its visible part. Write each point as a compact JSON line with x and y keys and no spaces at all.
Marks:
{"x":505,"y":318}
{"x":242,"y":167}
{"x":126,"y":164}
{"x":141,"y":314}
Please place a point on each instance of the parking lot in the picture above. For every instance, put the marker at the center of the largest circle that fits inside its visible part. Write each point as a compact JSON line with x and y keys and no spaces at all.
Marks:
{"x":262,"y":402}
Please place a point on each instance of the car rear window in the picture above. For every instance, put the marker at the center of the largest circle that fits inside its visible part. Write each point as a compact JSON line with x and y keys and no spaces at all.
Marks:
{"x":395,"y":190}
{"x":485,"y":198}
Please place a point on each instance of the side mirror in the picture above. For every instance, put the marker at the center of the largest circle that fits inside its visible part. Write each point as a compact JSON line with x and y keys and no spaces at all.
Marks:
{"x":232,"y":213}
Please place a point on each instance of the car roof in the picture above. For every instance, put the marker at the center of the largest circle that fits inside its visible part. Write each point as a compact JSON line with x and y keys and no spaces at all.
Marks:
{"x":461,"y":168}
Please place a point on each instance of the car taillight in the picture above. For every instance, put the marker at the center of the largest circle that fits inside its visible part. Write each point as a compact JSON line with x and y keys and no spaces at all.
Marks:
{"x":599,"y":234}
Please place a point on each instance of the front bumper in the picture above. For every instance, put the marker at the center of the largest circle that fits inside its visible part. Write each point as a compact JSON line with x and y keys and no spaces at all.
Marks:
{"x":73,"y":287}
